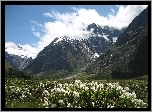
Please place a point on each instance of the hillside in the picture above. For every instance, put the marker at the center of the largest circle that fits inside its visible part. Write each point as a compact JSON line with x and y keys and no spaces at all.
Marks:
{"x":11,"y":72}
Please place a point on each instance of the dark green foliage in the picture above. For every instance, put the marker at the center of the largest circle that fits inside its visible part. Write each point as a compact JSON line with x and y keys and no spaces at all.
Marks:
{"x":7,"y":65}
{"x":56,"y":75}
{"x":12,"y":72}
{"x":139,"y":65}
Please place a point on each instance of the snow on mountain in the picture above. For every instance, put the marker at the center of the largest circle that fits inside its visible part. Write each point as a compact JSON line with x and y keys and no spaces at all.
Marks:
{"x":14,"y":49}
{"x":58,"y":40}
{"x":95,"y":55}
{"x":115,"y":39}
{"x":105,"y":36}
{"x":64,"y":38}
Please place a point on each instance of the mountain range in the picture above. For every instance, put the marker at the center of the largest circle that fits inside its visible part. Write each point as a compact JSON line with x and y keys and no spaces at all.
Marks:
{"x":62,"y":48}
{"x":107,"y":52}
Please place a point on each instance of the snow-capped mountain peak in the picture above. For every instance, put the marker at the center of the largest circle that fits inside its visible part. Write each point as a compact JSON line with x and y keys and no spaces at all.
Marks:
{"x":14,"y":49}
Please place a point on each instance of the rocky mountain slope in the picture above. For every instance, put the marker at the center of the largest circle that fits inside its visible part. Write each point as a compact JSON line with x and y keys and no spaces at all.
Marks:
{"x":128,"y":57}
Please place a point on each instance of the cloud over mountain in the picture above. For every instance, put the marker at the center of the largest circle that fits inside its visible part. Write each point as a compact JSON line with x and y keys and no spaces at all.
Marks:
{"x":74,"y":24}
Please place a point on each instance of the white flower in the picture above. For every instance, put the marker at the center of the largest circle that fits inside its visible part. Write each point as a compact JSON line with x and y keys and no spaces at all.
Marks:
{"x":61,"y":101}
{"x":126,"y":88}
{"x":140,"y":101}
{"x":81,"y":85}
{"x":70,"y":84}
{"x":101,"y":85}
{"x":77,"y":81}
{"x":46,"y":103}
{"x":41,"y":84}
{"x":62,"y":90}
{"x":53,"y":106}
{"x":93,"y":88}
{"x":69,"y":105}
{"x":93,"y":104}
{"x":96,"y":83}
{"x":133,"y":94}
{"x":60,"y":85}
{"x":57,"y":89}
{"x":23,"y":96}
{"x":119,"y":88}
{"x":123,"y":90}
{"x":45,"y":99}
{"x":29,"y":93}
{"x":112,"y":106}
{"x":46,"y":93}
{"x":86,"y":88}
{"x":66,"y":84}
{"x":76,"y":94}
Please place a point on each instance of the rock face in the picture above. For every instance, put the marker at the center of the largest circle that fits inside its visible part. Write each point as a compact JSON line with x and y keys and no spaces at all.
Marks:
{"x":69,"y":54}
{"x":128,"y":57}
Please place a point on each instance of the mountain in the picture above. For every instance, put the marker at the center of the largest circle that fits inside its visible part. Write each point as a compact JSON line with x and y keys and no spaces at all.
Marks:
{"x":128,"y":57}
{"x":67,"y":54}
{"x":18,"y":57}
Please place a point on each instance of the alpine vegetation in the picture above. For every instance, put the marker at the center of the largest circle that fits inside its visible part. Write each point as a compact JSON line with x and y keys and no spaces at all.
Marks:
{"x":73,"y":94}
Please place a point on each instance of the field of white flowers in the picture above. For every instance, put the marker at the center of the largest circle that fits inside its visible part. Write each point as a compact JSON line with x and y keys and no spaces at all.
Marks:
{"x":71,"y":94}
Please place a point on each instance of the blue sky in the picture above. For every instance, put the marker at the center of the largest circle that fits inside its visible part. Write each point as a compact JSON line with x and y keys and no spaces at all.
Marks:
{"x":18,"y":18}
{"x":35,"y":26}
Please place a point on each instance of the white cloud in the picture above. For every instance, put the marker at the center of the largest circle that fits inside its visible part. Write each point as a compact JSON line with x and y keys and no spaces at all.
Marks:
{"x":36,"y":34}
{"x":47,"y":14}
{"x":10,"y":44}
{"x":34,"y":22}
{"x":72,"y":24}
{"x":37,"y":28}
{"x":113,"y":12}
{"x":29,"y":48}
{"x":125,"y":15}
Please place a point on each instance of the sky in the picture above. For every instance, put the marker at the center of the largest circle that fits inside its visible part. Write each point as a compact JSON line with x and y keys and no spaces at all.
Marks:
{"x":33,"y":27}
